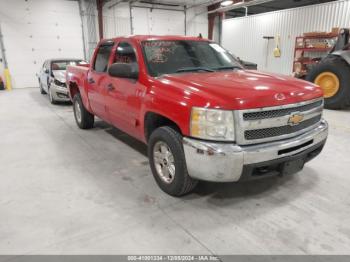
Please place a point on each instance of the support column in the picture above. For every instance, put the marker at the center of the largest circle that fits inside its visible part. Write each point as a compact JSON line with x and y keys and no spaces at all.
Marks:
{"x":99,"y":4}
{"x":211,"y":20}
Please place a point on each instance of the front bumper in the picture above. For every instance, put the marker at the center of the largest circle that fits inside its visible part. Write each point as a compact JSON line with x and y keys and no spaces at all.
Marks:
{"x":227,"y":162}
{"x":59,"y":93}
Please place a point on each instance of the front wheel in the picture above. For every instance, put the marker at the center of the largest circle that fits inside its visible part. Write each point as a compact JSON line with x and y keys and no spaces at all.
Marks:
{"x":167,"y":161}
{"x":51,"y":98}
{"x":42,"y":91}
{"x":83,"y":118}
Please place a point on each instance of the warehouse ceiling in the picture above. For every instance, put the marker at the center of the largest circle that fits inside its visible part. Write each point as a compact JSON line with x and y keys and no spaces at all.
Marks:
{"x":268,"y":6}
{"x":256,"y":9}
{"x":165,"y":2}
{"x":273,"y":6}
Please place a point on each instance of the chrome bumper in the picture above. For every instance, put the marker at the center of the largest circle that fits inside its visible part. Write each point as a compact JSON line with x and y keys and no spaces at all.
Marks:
{"x":224,"y":162}
{"x":59,"y":93}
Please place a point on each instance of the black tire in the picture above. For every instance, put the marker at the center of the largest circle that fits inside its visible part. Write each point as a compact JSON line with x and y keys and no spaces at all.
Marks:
{"x":341,"y":69}
{"x":86,"y":119}
{"x":42,"y":91}
{"x":51,"y":99}
{"x":182,"y":183}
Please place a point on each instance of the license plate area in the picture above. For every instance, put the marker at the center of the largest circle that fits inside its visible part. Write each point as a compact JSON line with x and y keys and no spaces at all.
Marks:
{"x":292,"y":167}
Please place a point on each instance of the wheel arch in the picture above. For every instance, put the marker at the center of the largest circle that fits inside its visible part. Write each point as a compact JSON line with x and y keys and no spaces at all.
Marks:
{"x":73,"y":89}
{"x":153,"y":120}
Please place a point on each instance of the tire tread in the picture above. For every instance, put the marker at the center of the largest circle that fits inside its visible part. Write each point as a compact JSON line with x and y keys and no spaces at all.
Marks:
{"x":341,"y":68}
{"x":87,"y":119}
{"x":187,"y":184}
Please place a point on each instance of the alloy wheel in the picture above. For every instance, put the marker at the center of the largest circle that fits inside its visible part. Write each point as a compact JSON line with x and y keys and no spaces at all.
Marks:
{"x":77,"y":111}
{"x":164,"y":162}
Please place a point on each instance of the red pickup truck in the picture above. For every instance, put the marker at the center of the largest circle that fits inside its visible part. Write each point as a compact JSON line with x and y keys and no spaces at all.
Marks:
{"x":201,"y":114}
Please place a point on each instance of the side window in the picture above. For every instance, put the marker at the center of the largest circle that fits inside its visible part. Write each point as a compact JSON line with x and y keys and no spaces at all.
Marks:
{"x":125,"y":53}
{"x":102,"y":57}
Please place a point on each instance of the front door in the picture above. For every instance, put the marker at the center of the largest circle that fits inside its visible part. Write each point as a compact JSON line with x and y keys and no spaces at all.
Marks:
{"x":124,"y":95}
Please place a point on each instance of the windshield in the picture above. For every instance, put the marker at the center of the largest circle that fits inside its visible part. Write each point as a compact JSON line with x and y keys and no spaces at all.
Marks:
{"x":62,"y":65}
{"x":179,"y":56}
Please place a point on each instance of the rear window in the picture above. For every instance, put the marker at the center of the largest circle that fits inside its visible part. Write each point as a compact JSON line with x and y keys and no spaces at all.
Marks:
{"x":62,"y":65}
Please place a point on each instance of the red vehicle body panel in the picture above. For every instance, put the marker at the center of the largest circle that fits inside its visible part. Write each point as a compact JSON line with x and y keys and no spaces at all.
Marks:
{"x":173,"y":96}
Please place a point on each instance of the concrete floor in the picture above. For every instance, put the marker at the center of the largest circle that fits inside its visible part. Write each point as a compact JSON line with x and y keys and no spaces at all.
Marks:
{"x":68,"y":191}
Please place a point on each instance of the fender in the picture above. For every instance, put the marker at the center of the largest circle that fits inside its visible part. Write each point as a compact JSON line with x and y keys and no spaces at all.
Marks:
{"x":84,"y":95}
{"x":80,"y":81}
{"x":345,"y":54}
{"x":177,"y":112}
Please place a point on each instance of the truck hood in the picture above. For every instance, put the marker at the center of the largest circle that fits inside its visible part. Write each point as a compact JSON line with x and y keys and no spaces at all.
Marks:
{"x":242,"y":89}
{"x":60,"y":75}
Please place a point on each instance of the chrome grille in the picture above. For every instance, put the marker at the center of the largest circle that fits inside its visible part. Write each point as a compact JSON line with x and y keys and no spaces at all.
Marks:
{"x":280,"y":112}
{"x":273,"y":123}
{"x":281,"y":130}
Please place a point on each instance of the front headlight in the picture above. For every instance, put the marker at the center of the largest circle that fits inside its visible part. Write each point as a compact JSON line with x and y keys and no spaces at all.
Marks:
{"x":212,"y":124}
{"x":59,"y":83}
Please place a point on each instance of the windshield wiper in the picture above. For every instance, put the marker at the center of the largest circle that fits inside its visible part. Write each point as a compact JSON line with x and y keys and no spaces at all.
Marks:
{"x":227,"y":67}
{"x":194,"y":69}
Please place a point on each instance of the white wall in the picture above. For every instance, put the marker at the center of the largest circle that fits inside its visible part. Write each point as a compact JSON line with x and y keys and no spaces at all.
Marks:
{"x":36,"y":30}
{"x":116,"y":20}
{"x":197,"y":21}
{"x":159,"y":22}
{"x":244,"y":36}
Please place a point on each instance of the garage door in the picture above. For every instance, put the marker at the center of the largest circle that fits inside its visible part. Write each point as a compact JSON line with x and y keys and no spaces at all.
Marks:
{"x":157,"y":22}
{"x":37,"y":30}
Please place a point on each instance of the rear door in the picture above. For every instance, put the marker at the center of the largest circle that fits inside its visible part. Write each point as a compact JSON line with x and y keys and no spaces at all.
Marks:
{"x":97,"y":78}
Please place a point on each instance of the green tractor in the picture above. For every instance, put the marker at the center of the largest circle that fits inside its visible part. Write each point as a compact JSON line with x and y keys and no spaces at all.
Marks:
{"x":332,"y":73}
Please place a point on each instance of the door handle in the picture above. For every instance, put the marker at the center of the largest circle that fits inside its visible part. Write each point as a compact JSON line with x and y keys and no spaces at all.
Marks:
{"x":91,"y":81}
{"x":110,"y":87}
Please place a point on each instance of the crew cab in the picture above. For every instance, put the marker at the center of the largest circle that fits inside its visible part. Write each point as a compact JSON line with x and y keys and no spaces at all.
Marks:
{"x":201,"y":114}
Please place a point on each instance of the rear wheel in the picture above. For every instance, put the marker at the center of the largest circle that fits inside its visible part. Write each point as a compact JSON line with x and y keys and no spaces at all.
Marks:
{"x":83,"y":118}
{"x":167,"y":161}
{"x":333,"y":76}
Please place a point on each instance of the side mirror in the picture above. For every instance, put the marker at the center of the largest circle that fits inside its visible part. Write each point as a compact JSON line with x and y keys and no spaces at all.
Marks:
{"x":124,"y":70}
{"x":249,"y":65}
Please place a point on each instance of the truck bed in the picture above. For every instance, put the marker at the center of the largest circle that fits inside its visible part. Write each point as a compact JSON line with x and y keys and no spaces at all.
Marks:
{"x":74,"y":71}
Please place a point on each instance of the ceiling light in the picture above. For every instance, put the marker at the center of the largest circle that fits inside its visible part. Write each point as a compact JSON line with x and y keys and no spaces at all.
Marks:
{"x":226,"y":3}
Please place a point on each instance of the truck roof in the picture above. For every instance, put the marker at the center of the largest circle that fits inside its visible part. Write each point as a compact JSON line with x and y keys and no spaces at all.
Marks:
{"x":140,"y":38}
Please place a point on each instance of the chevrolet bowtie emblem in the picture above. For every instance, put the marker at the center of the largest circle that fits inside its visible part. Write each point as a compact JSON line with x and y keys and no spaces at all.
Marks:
{"x":295,"y":119}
